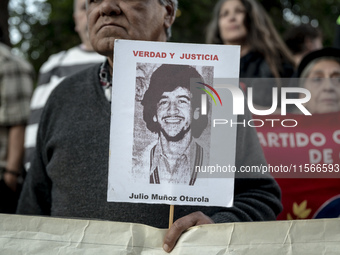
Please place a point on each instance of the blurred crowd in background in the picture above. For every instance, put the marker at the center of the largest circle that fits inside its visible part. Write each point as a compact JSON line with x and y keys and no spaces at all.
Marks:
{"x":270,"y":48}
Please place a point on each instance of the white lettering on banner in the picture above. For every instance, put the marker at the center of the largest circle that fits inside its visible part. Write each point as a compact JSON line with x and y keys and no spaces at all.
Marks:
{"x":284,"y":139}
{"x":273,"y":140}
{"x":327,"y":156}
{"x":301,"y":140}
{"x":292,"y":140}
{"x":262,"y":140}
{"x":316,"y":156}
{"x":336,"y":136}
{"x":318,"y":139}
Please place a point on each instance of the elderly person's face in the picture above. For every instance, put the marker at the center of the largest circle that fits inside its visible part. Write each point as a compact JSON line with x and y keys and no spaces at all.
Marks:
{"x":126,"y":19}
{"x":323,"y":82}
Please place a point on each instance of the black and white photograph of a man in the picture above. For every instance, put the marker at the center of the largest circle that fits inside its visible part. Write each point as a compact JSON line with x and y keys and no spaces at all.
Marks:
{"x":171,"y":110}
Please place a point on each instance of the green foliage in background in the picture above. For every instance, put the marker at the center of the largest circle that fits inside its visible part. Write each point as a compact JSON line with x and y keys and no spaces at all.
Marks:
{"x":190,"y":26}
{"x":46,"y":31}
{"x":50,"y":29}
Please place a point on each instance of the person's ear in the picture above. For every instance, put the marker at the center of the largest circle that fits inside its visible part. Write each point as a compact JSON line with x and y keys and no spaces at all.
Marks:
{"x":154,"y":118}
{"x":169,"y":15}
{"x":196,"y":114}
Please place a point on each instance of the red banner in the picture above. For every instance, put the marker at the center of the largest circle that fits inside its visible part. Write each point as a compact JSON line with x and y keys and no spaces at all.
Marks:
{"x":311,"y":150}
{"x":299,"y":146}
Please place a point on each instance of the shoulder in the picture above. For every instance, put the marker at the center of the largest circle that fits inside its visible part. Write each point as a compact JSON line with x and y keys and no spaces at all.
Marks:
{"x":72,"y":96}
{"x":52,"y":62}
{"x":71,"y":57}
{"x":75,"y":89}
{"x":253,"y":64}
{"x":142,"y":163}
{"x":288,"y":70}
{"x":80,"y":81}
{"x":76,"y":55}
{"x":13,"y":62}
{"x":147,"y":152}
{"x":252,"y":57}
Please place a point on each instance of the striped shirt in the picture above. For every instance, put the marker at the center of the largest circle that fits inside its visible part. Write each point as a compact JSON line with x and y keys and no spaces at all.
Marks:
{"x":57,"y":67}
{"x":16,"y":85}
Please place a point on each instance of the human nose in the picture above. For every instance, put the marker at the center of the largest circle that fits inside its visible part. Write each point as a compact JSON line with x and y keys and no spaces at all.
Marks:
{"x":110,"y":7}
{"x":328,"y":84}
{"x":173,"y":108}
{"x":232,"y":16}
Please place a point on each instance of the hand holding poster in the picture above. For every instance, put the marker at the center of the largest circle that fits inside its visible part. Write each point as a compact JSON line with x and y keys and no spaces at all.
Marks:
{"x":161,"y":134}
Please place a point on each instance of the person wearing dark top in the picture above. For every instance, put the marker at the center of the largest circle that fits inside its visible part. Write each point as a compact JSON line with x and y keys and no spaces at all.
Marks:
{"x":246,"y":23}
{"x":263,"y":52}
{"x":302,"y":40}
{"x":69,"y":171}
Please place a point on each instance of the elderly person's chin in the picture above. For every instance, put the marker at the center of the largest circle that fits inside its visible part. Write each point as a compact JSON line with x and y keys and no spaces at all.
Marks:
{"x":105,"y":46}
{"x":330,"y":105}
{"x":325,"y":107}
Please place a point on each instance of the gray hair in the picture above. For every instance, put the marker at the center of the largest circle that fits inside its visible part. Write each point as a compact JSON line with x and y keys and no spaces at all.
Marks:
{"x":174,"y":4}
{"x":305,"y":73}
{"x":309,"y":67}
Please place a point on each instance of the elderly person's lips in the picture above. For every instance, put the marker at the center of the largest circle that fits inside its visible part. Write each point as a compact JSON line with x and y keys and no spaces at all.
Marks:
{"x":329,"y":101}
{"x":110,"y":24}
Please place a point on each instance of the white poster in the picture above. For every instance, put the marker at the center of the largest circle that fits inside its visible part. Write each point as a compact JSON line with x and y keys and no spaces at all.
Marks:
{"x":164,"y":145}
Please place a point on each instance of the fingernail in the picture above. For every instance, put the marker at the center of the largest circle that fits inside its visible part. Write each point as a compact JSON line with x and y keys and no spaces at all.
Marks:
{"x":166,"y":247}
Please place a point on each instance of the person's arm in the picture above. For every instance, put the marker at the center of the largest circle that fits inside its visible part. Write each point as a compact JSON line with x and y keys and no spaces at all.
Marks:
{"x":16,"y":80}
{"x":257,"y":197}
{"x":15,"y":152}
{"x":255,"y":200}
{"x":181,"y":225}
{"x":35,"y":197}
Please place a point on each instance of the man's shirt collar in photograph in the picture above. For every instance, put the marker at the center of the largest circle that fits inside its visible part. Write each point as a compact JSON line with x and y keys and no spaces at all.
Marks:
{"x":184,"y":169}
